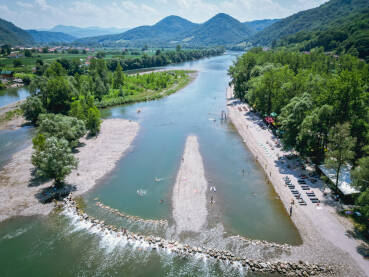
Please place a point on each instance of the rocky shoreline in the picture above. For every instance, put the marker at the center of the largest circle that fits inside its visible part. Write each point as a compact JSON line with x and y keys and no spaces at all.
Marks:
{"x":156,"y":243}
{"x":133,"y":218}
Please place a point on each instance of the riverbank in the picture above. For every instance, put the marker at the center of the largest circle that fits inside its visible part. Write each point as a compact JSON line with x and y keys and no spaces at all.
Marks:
{"x":189,"y":192}
{"x":11,"y":116}
{"x":324,"y":237}
{"x":21,"y":194}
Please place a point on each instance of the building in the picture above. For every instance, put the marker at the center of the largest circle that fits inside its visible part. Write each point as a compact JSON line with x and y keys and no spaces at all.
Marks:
{"x":6,"y":74}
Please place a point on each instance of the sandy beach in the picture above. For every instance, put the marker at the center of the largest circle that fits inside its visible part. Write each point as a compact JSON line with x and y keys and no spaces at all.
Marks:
{"x":19,"y":192}
{"x":189,"y":192}
{"x":325,"y":236}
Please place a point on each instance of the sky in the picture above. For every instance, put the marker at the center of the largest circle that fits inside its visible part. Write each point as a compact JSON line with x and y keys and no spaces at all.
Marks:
{"x":45,"y":14}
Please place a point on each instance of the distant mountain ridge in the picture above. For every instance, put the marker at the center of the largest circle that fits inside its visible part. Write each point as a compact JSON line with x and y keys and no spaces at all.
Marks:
{"x":81,"y":32}
{"x":221,"y":29}
{"x":43,"y":37}
{"x":11,"y":34}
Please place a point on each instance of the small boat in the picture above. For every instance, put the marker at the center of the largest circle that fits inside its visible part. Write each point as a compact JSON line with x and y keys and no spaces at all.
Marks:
{"x":158,"y":179}
{"x":138,"y":111}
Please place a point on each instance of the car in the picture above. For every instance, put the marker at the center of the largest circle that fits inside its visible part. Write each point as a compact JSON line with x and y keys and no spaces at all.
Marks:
{"x":301,"y":181}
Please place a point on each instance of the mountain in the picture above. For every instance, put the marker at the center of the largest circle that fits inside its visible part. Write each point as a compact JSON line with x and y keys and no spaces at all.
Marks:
{"x":319,"y":18}
{"x":44,"y":37}
{"x":80,"y":32}
{"x":13,"y":35}
{"x":166,"y":29}
{"x":342,"y":36}
{"x":259,"y":25}
{"x":220,"y":30}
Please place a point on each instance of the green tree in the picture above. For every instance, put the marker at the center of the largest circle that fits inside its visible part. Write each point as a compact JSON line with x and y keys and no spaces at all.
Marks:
{"x":292,"y":116}
{"x":55,"y":70}
{"x":118,"y":79}
{"x":17,"y":63}
{"x":178,"y":48}
{"x":58,"y":95}
{"x":32,"y":108}
{"x":27,"y":53}
{"x":54,"y":160}
{"x":93,"y":120}
{"x":62,"y":127}
{"x":340,"y":145}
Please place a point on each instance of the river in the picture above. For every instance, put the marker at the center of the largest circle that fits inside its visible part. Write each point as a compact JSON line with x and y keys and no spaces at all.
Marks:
{"x":245,"y":204}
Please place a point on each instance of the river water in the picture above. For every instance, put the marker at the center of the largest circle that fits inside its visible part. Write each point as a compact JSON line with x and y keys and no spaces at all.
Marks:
{"x":244,"y":204}
{"x":11,"y":95}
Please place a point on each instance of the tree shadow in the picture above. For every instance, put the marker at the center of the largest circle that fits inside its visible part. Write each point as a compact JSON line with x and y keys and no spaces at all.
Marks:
{"x":37,"y":180}
{"x":363,"y":250}
{"x":48,"y":194}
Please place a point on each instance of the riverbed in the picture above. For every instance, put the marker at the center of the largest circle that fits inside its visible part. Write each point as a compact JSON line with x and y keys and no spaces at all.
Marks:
{"x":141,"y":185}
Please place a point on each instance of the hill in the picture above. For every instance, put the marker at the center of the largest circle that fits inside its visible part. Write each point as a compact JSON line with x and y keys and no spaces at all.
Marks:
{"x":259,"y":25}
{"x":319,"y":18}
{"x":80,"y":32}
{"x":13,"y":35}
{"x":166,"y":29}
{"x":44,"y":37}
{"x":222,"y":29}
{"x":349,"y":36}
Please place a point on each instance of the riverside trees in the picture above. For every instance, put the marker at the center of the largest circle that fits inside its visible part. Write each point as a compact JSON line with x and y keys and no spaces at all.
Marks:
{"x":322,"y":103}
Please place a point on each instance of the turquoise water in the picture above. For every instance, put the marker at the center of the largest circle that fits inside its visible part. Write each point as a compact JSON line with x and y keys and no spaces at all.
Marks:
{"x":245,"y":205}
{"x":11,"y":95}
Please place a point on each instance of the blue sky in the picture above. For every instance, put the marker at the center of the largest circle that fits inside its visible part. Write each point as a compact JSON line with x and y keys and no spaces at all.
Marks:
{"x":30,"y":14}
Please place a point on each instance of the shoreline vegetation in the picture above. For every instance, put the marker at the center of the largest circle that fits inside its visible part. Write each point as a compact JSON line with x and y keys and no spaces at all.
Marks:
{"x":181,"y":79}
{"x":323,"y":233}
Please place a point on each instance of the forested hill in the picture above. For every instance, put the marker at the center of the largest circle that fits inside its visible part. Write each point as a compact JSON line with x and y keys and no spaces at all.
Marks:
{"x":50,"y":37}
{"x":11,"y":34}
{"x":164,"y":30}
{"x":222,"y":29}
{"x":320,"y":18}
{"x":82,"y":32}
{"x":259,"y":25}
{"x":350,"y":36}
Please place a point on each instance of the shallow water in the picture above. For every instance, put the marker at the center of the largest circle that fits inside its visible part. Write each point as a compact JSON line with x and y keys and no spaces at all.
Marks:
{"x":245,"y":205}
{"x":11,"y":95}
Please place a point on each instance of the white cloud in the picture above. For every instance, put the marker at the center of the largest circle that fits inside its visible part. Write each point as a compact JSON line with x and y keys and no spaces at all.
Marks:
{"x":24,"y":4}
{"x":131,"y":13}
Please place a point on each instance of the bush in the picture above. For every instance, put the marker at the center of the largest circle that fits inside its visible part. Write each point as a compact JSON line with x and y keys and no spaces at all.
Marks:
{"x":54,"y":160}
{"x":32,"y":108}
{"x":62,"y":127}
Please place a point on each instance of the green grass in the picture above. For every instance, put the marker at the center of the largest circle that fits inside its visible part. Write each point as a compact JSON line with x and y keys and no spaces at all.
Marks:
{"x":142,"y":93}
{"x":10,"y":115}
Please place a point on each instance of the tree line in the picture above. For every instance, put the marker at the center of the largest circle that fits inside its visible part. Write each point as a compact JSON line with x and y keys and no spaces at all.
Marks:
{"x":321,"y":102}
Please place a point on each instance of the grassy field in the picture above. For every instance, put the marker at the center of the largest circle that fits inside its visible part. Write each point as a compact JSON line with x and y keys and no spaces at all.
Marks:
{"x":140,"y":92}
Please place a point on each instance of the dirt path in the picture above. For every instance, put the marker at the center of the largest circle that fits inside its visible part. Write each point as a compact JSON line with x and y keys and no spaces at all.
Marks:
{"x":19,"y":194}
{"x":189,"y":193}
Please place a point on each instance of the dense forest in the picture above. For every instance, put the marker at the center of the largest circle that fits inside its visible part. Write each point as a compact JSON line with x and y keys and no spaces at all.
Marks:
{"x":350,"y":36}
{"x":321,"y":102}
{"x":326,"y":16}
